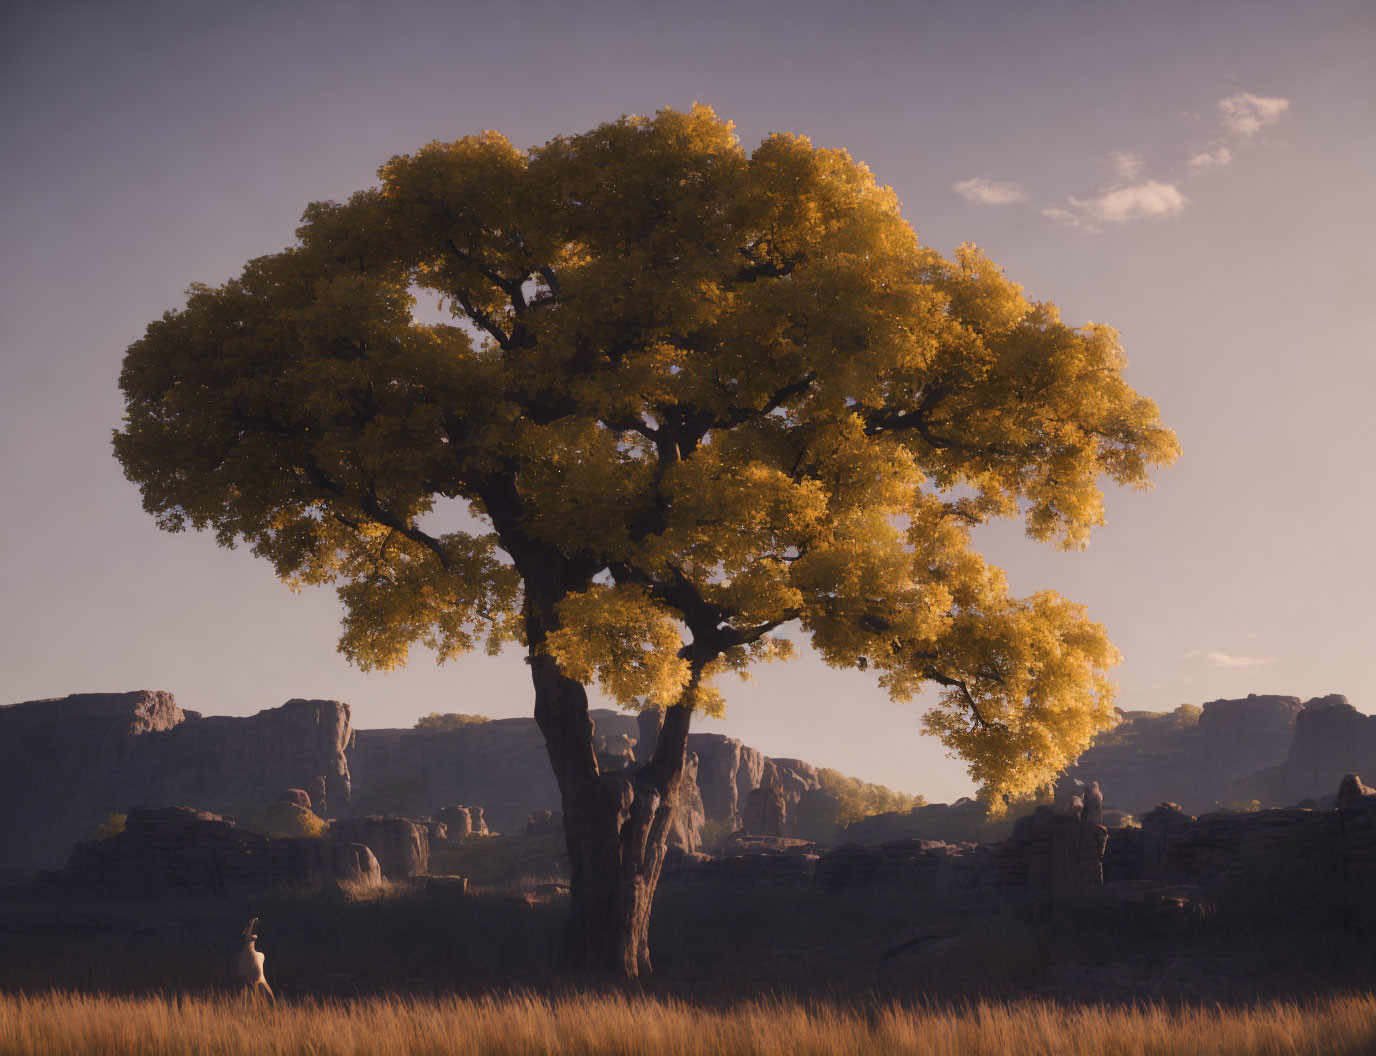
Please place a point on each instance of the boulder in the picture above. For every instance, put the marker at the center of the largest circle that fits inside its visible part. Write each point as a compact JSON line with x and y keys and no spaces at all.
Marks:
{"x":1093,"y":809}
{"x":615,"y":751}
{"x":355,"y":863}
{"x":462,"y":821}
{"x":295,"y":796}
{"x":402,"y":847}
{"x":1357,"y":825}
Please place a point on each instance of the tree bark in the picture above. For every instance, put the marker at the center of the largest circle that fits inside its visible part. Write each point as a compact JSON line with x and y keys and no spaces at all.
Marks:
{"x":616,"y":827}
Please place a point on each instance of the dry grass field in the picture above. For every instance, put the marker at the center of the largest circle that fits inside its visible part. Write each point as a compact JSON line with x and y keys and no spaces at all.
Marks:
{"x":56,"y":1024}
{"x":1286,"y":969}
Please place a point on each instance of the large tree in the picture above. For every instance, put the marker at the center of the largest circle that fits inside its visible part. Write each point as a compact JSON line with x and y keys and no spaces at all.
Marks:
{"x":691,"y":395}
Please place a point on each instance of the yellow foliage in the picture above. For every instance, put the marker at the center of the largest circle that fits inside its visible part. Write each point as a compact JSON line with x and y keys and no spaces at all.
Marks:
{"x":713,"y":393}
{"x":620,"y":638}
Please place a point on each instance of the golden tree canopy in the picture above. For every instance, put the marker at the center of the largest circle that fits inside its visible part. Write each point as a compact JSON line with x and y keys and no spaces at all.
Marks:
{"x":731,"y":389}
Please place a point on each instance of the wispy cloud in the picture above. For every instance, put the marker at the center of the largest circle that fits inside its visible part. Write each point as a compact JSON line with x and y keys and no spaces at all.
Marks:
{"x":1126,"y":165}
{"x":989,"y":192}
{"x":1244,"y":114}
{"x":1119,"y":203}
{"x":1224,"y":660}
{"x":1211,"y":157}
{"x":1130,"y":195}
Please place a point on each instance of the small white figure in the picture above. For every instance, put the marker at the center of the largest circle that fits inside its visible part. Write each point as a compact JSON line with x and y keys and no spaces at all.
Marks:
{"x":251,"y":964}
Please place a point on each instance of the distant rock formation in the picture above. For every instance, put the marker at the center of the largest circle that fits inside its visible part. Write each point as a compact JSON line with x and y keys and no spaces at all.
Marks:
{"x":1190,"y":756}
{"x":66,"y":763}
{"x":501,"y":765}
{"x":727,"y":773}
{"x":1331,"y":738}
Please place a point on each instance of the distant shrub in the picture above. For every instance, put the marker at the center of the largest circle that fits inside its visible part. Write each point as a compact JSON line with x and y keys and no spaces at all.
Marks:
{"x":1245,"y":806}
{"x":449,"y":721}
{"x":113,"y":825}
{"x":282,"y":821}
{"x":1187,"y":716}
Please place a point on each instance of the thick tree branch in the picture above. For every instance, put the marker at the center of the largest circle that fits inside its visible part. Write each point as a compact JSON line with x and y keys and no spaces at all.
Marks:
{"x":369,"y":504}
{"x":933,"y":675}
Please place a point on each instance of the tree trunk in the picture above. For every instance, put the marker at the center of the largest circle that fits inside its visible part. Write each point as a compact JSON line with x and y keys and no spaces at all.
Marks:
{"x":616,"y":826}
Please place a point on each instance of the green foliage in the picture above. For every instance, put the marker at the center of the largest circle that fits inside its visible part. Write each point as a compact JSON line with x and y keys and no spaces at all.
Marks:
{"x":858,"y":799}
{"x":449,"y":721}
{"x":844,"y":800}
{"x":714,"y":392}
{"x":113,"y":825}
{"x":1187,"y":716}
{"x":1244,"y":806}
{"x":282,"y":820}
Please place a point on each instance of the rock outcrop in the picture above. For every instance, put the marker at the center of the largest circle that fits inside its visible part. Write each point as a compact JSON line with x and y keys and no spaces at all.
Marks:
{"x":180,"y":851}
{"x":766,"y":807}
{"x":1050,"y":852}
{"x":402,"y":847}
{"x":462,"y":821}
{"x":727,"y":773}
{"x":355,"y":863}
{"x":65,"y":764}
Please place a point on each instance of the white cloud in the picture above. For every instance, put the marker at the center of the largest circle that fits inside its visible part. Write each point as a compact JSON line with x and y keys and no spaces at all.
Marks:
{"x":1224,"y":660}
{"x":1214,"y":157}
{"x":989,"y":192}
{"x":1245,"y":114}
{"x":1126,"y":165}
{"x":1117,"y":204}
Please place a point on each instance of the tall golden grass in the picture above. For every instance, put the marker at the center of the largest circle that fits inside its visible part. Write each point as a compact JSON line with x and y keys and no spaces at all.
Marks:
{"x":61,"y":1024}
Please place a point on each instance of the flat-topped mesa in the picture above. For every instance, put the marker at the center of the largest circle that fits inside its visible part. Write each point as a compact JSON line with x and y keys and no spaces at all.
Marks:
{"x":68,"y":762}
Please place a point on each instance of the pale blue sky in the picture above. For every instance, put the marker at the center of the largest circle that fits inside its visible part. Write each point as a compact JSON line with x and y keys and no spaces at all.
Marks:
{"x":149,"y":145}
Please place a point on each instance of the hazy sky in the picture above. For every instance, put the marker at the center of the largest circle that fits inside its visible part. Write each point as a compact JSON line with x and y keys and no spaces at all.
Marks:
{"x":1200,"y":176}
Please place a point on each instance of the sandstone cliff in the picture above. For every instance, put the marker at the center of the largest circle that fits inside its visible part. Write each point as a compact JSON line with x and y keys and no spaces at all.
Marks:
{"x":67,"y":763}
{"x":501,"y":766}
